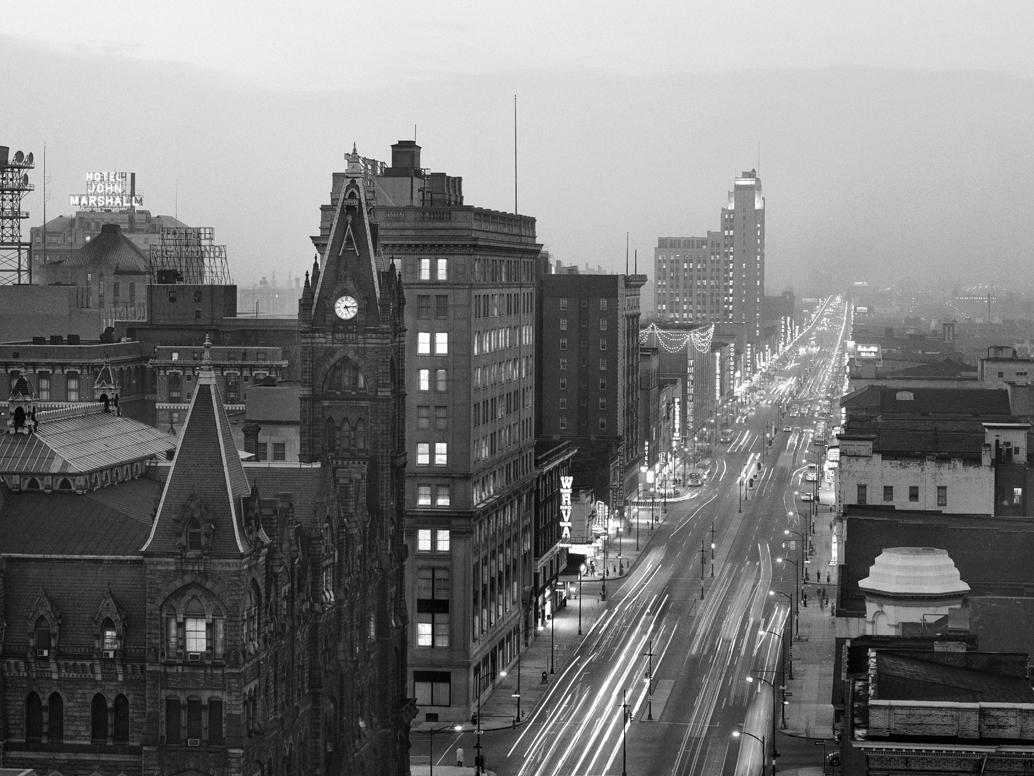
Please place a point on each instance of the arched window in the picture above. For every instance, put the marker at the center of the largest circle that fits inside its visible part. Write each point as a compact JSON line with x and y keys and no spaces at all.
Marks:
{"x":55,"y":718}
{"x":99,"y":719}
{"x":42,"y":637}
{"x":196,"y":626}
{"x":345,"y":377}
{"x":360,"y":434}
{"x":195,"y":538}
{"x":121,"y":719}
{"x":109,"y":637}
{"x":33,"y":718}
{"x":347,"y":442}
{"x":330,"y":436}
{"x":33,"y":483}
{"x":65,"y":484}
{"x":253,"y":606}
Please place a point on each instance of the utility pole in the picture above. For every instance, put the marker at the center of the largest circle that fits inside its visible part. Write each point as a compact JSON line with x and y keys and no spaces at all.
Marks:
{"x":649,"y":681}
{"x":712,"y":548}
{"x":703,"y":561}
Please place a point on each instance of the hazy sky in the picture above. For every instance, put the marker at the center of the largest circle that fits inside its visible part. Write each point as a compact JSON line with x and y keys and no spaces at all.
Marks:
{"x":894,"y":136}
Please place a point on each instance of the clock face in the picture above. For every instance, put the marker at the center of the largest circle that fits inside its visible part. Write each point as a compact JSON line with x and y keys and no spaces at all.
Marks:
{"x":346,"y":308}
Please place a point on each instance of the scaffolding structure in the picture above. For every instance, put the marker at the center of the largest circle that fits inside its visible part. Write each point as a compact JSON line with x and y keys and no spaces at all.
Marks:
{"x":15,"y":253}
{"x":187,"y":255}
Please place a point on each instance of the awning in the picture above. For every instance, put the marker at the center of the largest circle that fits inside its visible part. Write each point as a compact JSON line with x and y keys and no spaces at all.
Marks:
{"x":574,"y":562}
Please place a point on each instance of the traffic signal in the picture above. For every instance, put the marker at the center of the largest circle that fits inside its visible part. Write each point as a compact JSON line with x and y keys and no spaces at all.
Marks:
{"x":474,"y":720}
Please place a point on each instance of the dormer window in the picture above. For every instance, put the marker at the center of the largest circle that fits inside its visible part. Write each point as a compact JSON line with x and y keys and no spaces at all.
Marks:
{"x":43,"y":637}
{"x":109,"y":637}
{"x":195,"y":538}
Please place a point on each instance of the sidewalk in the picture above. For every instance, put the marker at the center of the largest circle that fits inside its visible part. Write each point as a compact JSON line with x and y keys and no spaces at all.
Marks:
{"x":809,"y":713}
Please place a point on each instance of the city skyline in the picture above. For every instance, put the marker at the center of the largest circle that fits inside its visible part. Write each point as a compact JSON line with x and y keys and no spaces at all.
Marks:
{"x":885,"y":148}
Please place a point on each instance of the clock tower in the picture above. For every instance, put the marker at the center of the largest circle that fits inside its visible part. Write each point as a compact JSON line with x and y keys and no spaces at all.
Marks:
{"x":352,"y":405}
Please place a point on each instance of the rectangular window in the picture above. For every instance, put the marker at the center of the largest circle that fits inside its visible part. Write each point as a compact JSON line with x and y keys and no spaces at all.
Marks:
{"x":443,"y":269}
{"x":563,"y":402}
{"x":441,"y":343}
{"x":441,"y":418}
{"x":913,"y":493}
{"x":888,"y":492}
{"x":423,"y":495}
{"x":563,"y":363}
{"x":172,"y":720}
{"x":603,"y":423}
{"x":423,"y":417}
{"x":423,"y":454}
{"x":72,"y":386}
{"x":279,"y":451}
{"x":603,"y":324}
{"x":196,"y":634}
{"x":215,"y":721}
{"x":603,"y":304}
{"x":603,"y":402}
{"x":441,"y":306}
{"x":441,"y":382}
{"x":432,"y":688}
{"x":563,"y":324}
{"x":194,"y":718}
{"x":261,"y":452}
{"x":423,"y":540}
{"x":44,"y":386}
{"x":603,"y":344}
{"x":563,"y":343}
{"x":603,"y":383}
{"x":862,"y":494}
{"x":563,"y":303}
{"x":424,"y":379}
{"x":423,"y":306}
{"x":942,"y":495}
{"x":603,"y":365}
{"x":563,"y":422}
{"x":441,"y":454}
{"x":425,"y":269}
{"x":442,"y":495}
{"x":423,"y":343}
{"x":441,"y":544}
{"x":563,"y":383}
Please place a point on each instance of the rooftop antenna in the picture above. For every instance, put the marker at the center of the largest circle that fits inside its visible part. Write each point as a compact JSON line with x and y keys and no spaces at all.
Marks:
{"x":515,"y":154}
{"x":176,"y":206}
{"x":414,"y":133}
{"x":636,"y":257}
{"x":626,"y":253}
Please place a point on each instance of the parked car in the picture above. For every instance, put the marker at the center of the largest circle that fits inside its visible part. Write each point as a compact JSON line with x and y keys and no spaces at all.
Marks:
{"x":807,"y":496}
{"x":694,"y":480}
{"x":787,"y":428}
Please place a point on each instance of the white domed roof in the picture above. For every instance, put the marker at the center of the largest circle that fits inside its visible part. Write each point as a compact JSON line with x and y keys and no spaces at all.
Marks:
{"x":914,"y":571}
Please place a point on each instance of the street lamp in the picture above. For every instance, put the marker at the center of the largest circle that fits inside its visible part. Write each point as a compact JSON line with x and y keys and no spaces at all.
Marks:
{"x":581,"y":570}
{"x":430,"y":741}
{"x":649,"y":681}
{"x":624,"y":726}
{"x":477,"y":745}
{"x":764,"y":749}
{"x":782,"y":641}
{"x":739,"y":491}
{"x":797,"y":591}
{"x":771,"y":684}
{"x":800,"y":536}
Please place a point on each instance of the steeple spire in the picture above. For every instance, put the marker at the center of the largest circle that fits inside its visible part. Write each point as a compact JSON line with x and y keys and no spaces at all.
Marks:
{"x":207,"y":480}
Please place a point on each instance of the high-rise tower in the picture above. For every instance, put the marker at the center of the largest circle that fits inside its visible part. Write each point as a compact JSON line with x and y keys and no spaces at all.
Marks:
{"x":743,"y":231}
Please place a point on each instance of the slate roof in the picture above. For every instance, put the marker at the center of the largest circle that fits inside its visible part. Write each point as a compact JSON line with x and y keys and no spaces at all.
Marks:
{"x":112,"y":521}
{"x":302,"y":482}
{"x":207,"y":465}
{"x":76,"y":589}
{"x":110,"y":249}
{"x":906,"y":678}
{"x":946,"y":368}
{"x":81,"y":439}
{"x":944,"y":401}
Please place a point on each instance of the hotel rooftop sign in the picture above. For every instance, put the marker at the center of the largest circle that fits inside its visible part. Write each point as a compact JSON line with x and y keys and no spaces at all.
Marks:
{"x":108,"y":191}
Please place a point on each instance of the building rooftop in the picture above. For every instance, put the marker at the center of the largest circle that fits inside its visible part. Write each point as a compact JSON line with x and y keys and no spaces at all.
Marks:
{"x":902,"y":677}
{"x":80,"y":439}
{"x":110,"y":249}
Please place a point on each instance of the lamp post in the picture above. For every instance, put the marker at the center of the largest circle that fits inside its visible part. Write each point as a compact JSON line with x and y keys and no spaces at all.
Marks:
{"x":430,"y":741}
{"x":771,"y":684}
{"x":552,"y":632}
{"x":764,"y":749}
{"x":798,"y":534}
{"x":739,"y":491}
{"x":624,"y":727}
{"x":603,"y":584}
{"x":782,"y":641}
{"x":797,"y":591}
{"x":653,"y":501}
{"x":477,"y":745}
{"x":581,"y":570}
{"x":649,"y":681}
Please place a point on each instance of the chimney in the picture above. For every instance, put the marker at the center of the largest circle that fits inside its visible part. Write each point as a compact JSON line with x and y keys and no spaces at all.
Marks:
{"x":405,"y":155}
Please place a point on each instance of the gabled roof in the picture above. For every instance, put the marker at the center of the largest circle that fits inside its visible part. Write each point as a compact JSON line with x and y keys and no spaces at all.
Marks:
{"x":946,"y":368}
{"x":967,"y":402}
{"x":81,"y":439}
{"x":207,"y":469}
{"x":901,"y":677}
{"x":110,"y":249}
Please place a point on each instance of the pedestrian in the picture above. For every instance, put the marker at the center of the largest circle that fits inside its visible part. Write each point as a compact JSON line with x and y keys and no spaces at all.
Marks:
{"x":827,"y":577}
{"x":459,"y":756}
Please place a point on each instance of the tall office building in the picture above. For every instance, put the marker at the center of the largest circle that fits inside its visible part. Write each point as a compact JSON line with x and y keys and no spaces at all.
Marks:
{"x":743,"y":229}
{"x":719,"y":278}
{"x":589,"y":391}
{"x":469,"y":275}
